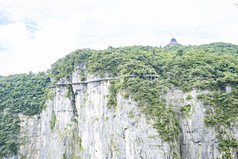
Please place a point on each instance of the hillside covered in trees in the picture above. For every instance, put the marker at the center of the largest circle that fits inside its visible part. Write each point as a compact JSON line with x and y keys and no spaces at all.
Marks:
{"x":23,"y":93}
{"x":210,"y":67}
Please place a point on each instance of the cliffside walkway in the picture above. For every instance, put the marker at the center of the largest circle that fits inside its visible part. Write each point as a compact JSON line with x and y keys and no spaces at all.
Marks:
{"x":149,"y":77}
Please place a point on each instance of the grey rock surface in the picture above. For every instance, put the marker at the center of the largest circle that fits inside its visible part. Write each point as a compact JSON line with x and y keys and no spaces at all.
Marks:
{"x":85,"y":127}
{"x":196,"y":140}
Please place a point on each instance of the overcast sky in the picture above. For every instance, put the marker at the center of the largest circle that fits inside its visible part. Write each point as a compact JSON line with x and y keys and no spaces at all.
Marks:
{"x":35,"y":33}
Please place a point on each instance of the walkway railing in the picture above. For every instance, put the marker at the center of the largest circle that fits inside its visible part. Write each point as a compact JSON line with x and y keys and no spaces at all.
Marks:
{"x":149,"y":77}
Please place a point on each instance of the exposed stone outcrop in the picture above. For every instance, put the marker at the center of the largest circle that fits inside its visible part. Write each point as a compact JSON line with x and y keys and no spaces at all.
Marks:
{"x":85,"y":127}
{"x":101,"y":132}
{"x":196,"y":140}
{"x":30,"y":136}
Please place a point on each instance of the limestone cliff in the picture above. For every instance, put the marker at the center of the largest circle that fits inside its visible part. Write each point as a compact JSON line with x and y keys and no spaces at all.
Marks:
{"x":82,"y":126}
{"x":128,"y":102}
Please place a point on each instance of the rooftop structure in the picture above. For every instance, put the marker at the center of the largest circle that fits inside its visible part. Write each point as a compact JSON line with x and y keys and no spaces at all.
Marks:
{"x":173,"y":42}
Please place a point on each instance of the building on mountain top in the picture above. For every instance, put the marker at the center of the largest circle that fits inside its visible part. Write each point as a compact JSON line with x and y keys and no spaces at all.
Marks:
{"x":173,"y":42}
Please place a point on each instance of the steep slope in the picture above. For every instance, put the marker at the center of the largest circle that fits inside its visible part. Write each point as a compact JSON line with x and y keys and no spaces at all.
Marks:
{"x":19,"y":94}
{"x":137,"y":102}
{"x":86,"y":127}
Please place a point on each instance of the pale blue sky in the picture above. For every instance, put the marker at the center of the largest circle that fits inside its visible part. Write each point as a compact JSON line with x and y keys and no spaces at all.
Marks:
{"x":35,"y":33}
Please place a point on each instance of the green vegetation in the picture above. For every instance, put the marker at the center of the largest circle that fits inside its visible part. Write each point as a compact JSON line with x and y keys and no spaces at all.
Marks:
{"x":80,"y":143}
{"x":82,"y":75}
{"x":185,"y":110}
{"x":22,"y":93}
{"x":189,"y":97}
{"x":112,"y":100}
{"x":49,"y":94}
{"x":69,"y":91}
{"x":76,"y":145}
{"x":221,"y":113}
{"x":211,"y":67}
{"x":52,"y":121}
{"x":64,"y":155}
{"x":222,"y":109}
{"x":131,"y":115}
{"x":207,"y":66}
{"x":228,"y":145}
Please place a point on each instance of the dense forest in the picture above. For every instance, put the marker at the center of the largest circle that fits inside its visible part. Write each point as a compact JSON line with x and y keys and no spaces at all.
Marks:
{"x":211,"y":67}
{"x":23,"y":93}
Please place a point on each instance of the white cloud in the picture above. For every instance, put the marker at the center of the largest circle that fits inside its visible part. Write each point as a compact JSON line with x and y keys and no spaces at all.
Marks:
{"x":54,"y":39}
{"x":41,"y":31}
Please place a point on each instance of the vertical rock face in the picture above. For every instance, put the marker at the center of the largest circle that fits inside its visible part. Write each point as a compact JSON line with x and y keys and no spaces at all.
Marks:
{"x":30,"y":133}
{"x":122,"y":132}
{"x":82,"y":126}
{"x":94,"y":130}
{"x":196,"y":140}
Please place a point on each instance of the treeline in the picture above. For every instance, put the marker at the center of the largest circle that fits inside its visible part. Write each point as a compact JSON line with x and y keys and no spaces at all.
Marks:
{"x":22,"y":93}
{"x":212,"y":67}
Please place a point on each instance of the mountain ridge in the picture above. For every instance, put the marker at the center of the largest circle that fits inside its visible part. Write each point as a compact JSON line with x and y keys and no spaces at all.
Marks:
{"x":211,"y":67}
